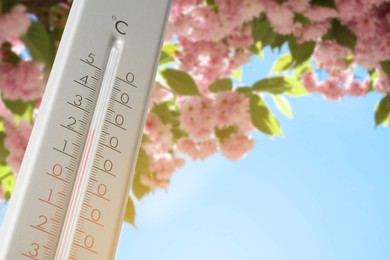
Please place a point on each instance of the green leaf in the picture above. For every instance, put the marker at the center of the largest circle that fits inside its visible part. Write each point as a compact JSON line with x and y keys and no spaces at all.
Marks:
{"x":7,"y":181}
{"x":142,"y":167}
{"x":246,"y":91}
{"x":276,"y":85}
{"x":386,"y":67}
{"x":165,"y":58}
{"x":298,"y":91}
{"x":168,"y":112}
{"x":3,"y":151}
{"x":283,"y":105}
{"x":39,"y":44}
{"x":146,"y":139}
{"x":342,"y":34}
{"x":181,"y":82}
{"x":300,"y":18}
{"x":326,"y":3}
{"x":169,"y":48}
{"x":167,"y":52}
{"x":130,"y":212}
{"x":262,"y":31}
{"x":221,"y":85}
{"x":278,"y":41}
{"x":283,"y":63}
{"x":262,"y":118}
{"x":256,"y":48}
{"x":382,"y":112}
{"x":178,"y":133}
{"x":237,"y":74}
{"x":7,"y":5}
{"x":300,"y":52}
{"x":298,"y":71}
{"x":225,"y":133}
{"x":9,"y":56}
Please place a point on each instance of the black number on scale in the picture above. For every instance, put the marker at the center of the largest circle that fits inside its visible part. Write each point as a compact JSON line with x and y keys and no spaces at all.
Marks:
{"x":130,"y":77}
{"x":65,"y":143}
{"x":125,"y":98}
{"x":73,"y":122}
{"x":108,"y":165}
{"x":78,"y":101}
{"x":114,"y":142}
{"x":91,"y":58}
{"x":84,"y":80}
{"x":119,"y":119}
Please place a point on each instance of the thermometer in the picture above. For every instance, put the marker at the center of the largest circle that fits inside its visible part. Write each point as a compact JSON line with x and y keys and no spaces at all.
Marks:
{"x":73,"y":185}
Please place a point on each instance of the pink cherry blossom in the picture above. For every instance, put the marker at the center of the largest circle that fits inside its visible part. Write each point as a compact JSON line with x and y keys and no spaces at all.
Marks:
{"x":23,"y":82}
{"x":233,"y":109}
{"x":281,"y":18}
{"x":5,"y":113}
{"x":382,"y":84}
{"x":331,"y":89}
{"x":308,"y":79}
{"x":153,"y":183}
{"x":318,"y":13}
{"x":14,"y":24}
{"x":159,"y":133}
{"x":159,"y":94}
{"x":241,"y":37}
{"x":197,"y":150}
{"x":163,"y":166}
{"x":299,"y":6}
{"x":312,"y":32}
{"x":330,"y":55}
{"x":237,"y":146}
{"x":198,"y":116}
{"x":250,"y":9}
{"x":16,"y":140}
{"x":356,"y":88}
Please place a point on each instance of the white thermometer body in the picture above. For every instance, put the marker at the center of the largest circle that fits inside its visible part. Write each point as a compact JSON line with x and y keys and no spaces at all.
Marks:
{"x":73,"y":185}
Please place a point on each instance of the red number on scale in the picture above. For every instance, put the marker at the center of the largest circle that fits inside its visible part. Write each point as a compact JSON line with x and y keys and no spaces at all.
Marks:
{"x":102,"y":190}
{"x":89,"y":241}
{"x":95,"y":215}
{"x":43,"y":221}
{"x":34,"y":251}
{"x":57,"y":170}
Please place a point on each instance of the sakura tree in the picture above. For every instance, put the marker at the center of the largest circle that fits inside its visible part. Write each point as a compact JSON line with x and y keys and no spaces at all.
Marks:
{"x":199,"y":105}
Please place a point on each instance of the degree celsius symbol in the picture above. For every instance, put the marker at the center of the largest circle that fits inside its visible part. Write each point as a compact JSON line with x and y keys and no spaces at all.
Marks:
{"x":119,"y":25}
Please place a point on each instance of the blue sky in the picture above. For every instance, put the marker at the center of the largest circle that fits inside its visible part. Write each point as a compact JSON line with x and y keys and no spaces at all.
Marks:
{"x":320,"y":192}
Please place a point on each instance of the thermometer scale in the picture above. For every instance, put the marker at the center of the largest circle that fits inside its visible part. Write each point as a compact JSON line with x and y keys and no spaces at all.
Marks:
{"x":73,"y":185}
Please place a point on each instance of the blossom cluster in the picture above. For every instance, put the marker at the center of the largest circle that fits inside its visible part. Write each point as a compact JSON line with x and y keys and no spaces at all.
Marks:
{"x":206,"y":36}
{"x":365,"y":19}
{"x":18,"y":81}
{"x":199,"y":117}
{"x":24,"y":81}
{"x":214,"y":39}
{"x":13,"y":24}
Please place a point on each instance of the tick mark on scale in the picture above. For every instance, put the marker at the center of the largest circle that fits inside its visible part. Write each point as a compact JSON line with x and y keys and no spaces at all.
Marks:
{"x":70,"y":129}
{"x":65,"y":153}
{"x":31,"y":257}
{"x":86,"y":62}
{"x":88,"y":249}
{"x":54,"y":205}
{"x":84,"y":85}
{"x":42,"y":230}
